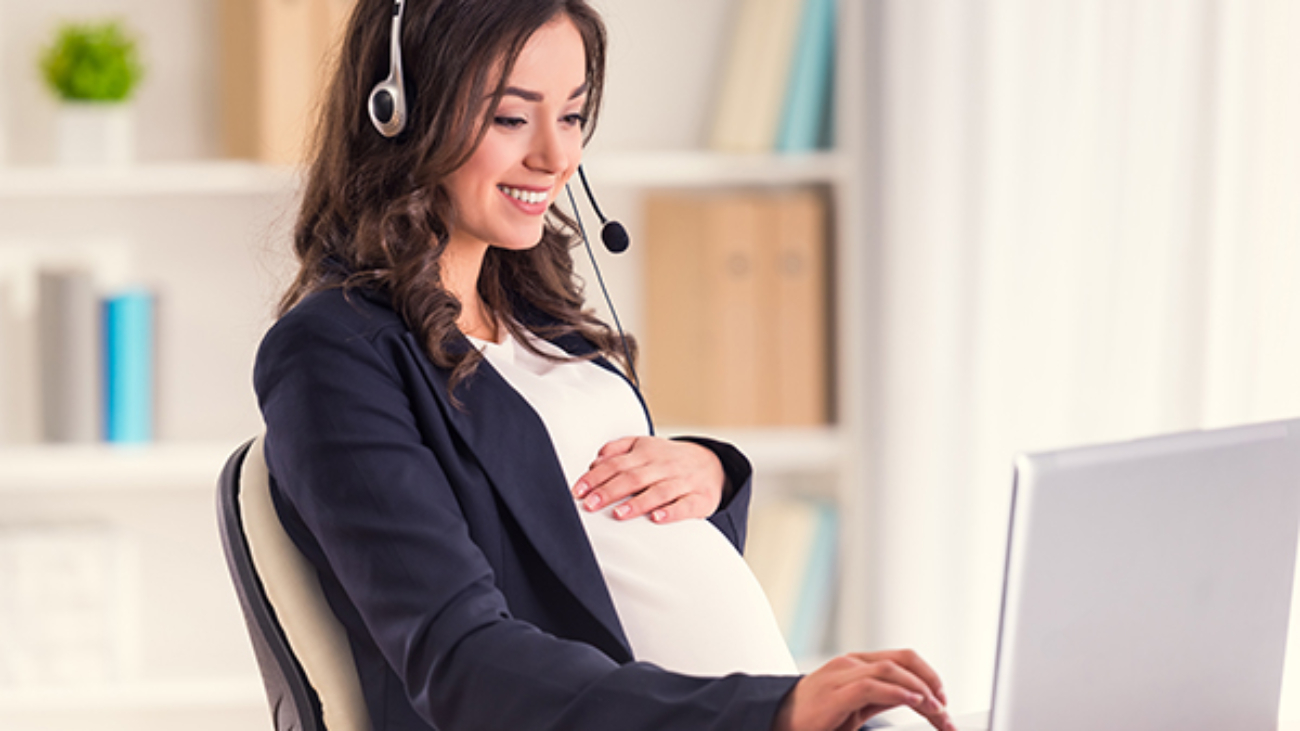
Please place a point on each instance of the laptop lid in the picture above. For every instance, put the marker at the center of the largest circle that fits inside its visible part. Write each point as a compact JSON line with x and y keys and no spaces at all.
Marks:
{"x":1148,"y":583}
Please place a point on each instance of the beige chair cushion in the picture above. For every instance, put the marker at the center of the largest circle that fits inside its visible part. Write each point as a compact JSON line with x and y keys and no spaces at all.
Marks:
{"x":315,"y":635}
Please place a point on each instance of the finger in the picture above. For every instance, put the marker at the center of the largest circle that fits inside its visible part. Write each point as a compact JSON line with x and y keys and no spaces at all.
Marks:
{"x":866,"y":691}
{"x":654,"y":498}
{"x":879,"y":695}
{"x":602,"y":472}
{"x":618,"y":446}
{"x":931,"y":707}
{"x":914,"y":663}
{"x":686,"y":507}
{"x":622,"y":485}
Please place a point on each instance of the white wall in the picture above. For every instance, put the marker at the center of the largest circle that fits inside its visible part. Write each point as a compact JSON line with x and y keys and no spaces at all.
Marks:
{"x":1087,"y":232}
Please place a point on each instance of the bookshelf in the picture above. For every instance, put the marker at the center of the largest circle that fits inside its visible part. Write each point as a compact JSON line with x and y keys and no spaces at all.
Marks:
{"x":211,"y":235}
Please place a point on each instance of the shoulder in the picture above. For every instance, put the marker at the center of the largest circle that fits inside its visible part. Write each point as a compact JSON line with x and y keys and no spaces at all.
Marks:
{"x":359,"y":312}
{"x":331,"y":324}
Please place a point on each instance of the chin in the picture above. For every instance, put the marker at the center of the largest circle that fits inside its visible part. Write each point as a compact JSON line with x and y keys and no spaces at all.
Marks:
{"x":521,"y":243}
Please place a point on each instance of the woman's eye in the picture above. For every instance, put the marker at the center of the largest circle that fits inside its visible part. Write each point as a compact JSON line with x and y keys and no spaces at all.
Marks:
{"x":509,"y":122}
{"x":578,"y":120}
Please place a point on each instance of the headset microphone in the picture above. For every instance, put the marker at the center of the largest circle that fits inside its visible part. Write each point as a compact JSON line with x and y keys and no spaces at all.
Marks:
{"x":620,"y":232}
{"x":388,"y":99}
{"x":611,"y":232}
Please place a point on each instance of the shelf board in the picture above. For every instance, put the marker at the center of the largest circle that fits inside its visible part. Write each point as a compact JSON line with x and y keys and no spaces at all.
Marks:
{"x":692,"y":168}
{"x":671,"y":168}
{"x":97,"y":467}
{"x":198,"y":178}
{"x":214,"y":693}
{"x":45,"y":468}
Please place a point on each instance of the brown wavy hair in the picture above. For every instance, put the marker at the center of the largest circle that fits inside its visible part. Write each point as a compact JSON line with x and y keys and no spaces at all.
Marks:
{"x":375,"y":213}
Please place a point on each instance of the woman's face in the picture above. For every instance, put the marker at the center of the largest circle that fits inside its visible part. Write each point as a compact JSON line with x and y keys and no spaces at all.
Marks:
{"x":531,"y":148}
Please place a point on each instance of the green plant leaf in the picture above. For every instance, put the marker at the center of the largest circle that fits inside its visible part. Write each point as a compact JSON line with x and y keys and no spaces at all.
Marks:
{"x":93,"y":61}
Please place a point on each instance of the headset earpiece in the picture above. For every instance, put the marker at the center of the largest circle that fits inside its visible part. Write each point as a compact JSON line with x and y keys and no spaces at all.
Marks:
{"x":387,"y":104}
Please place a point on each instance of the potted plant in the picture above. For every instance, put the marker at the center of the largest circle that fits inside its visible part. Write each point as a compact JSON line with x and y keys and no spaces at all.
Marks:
{"x":93,"y":68}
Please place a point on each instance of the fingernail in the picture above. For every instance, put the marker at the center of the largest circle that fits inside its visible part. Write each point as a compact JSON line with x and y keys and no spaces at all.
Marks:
{"x":621,"y":510}
{"x":592,"y":502}
{"x":580,"y":489}
{"x":917,"y":700}
{"x":658,"y":516}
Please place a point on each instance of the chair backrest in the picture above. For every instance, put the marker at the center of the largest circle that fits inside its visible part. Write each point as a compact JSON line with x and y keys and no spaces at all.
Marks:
{"x":302,"y":649}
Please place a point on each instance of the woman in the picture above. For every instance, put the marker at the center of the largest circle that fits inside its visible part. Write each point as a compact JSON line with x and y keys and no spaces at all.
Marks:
{"x":451,"y":447}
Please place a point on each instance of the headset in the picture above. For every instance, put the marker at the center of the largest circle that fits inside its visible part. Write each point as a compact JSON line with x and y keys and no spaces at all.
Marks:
{"x":387,"y":107}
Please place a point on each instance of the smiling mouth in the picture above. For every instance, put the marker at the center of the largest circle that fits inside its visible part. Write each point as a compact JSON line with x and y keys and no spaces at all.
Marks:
{"x":524,"y":196}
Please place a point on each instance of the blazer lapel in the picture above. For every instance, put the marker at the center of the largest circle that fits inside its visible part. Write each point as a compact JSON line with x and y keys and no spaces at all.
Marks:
{"x":511,"y":444}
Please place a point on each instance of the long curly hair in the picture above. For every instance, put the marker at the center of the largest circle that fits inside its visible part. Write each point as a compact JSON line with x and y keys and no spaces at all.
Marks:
{"x":375,"y":211}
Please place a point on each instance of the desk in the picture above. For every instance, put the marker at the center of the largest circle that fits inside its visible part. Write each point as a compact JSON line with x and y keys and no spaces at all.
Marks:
{"x":978,"y":721}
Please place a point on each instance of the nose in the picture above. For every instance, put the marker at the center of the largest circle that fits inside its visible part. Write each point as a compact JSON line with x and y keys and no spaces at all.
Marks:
{"x":549,"y":152}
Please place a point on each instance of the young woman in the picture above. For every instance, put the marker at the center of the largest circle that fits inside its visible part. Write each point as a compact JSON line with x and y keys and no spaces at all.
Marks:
{"x":453,"y":449}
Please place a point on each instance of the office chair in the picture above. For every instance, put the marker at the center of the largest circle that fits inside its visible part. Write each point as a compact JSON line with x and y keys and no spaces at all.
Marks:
{"x":302,"y":649}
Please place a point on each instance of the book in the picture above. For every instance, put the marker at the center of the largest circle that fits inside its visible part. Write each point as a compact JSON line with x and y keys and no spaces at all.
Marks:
{"x":20,"y":404}
{"x":809,"y":629}
{"x":753,"y":83}
{"x":129,"y":366}
{"x":69,"y":356}
{"x":276,"y":59}
{"x":805,"y":120}
{"x":792,"y":552}
{"x":736,"y":325}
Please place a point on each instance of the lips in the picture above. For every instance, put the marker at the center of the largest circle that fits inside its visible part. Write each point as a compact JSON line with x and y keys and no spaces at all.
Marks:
{"x":531,"y":197}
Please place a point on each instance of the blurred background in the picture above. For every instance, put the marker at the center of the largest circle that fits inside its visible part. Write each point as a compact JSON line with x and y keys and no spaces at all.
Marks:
{"x":882,"y":245}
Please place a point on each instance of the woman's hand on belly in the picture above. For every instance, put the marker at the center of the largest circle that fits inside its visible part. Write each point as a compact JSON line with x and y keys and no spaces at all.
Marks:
{"x":842,"y":694}
{"x":665,"y":479}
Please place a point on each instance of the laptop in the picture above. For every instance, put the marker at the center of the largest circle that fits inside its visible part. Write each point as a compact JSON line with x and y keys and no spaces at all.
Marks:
{"x":1148,"y":585}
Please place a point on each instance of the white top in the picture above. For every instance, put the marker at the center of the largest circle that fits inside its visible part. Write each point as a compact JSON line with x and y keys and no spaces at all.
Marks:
{"x":686,"y":598}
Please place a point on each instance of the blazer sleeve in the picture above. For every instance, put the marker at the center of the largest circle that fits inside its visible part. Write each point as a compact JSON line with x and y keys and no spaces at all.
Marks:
{"x":346,"y":453}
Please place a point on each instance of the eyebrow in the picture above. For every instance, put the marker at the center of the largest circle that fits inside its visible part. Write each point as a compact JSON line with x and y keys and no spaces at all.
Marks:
{"x":534,"y":96}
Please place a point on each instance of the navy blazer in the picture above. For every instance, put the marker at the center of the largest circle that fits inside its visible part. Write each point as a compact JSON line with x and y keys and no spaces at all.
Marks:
{"x":447,"y":542}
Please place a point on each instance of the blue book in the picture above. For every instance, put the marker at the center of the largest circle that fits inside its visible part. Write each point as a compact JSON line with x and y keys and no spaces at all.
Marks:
{"x":129,"y":366}
{"x":812,"y":612}
{"x":805,"y":119}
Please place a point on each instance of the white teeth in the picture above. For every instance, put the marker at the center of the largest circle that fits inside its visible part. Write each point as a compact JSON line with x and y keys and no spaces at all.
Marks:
{"x":525,"y":196}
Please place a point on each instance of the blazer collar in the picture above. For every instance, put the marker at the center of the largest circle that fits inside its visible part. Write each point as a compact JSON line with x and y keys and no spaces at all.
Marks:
{"x":510,"y":442}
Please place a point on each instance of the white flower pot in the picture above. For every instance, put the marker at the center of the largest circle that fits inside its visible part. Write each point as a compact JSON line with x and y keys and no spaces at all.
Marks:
{"x":96,"y":134}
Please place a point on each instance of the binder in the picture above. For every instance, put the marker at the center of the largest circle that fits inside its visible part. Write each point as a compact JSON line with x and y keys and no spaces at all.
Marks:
{"x":797,"y":350}
{"x":676,"y":335}
{"x":736,"y":312}
{"x":276,"y":59}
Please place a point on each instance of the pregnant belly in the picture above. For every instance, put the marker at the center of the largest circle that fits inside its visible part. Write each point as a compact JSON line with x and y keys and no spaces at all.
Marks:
{"x":686,"y":598}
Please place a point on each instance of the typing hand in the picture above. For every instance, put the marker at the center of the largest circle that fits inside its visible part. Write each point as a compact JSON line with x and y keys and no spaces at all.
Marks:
{"x":842,"y":694}
{"x":665,"y":479}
